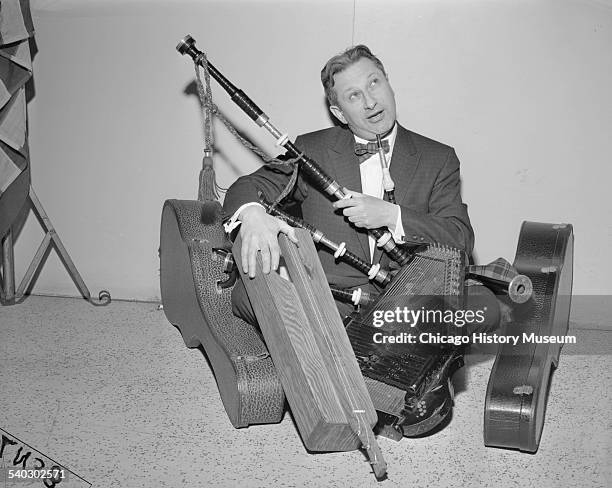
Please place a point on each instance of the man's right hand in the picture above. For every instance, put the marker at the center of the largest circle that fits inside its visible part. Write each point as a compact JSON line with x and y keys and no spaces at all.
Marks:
{"x":259,"y":233}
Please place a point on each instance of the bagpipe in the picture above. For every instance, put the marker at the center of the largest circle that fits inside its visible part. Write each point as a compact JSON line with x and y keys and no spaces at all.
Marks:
{"x":517,"y":287}
{"x":407,"y":386}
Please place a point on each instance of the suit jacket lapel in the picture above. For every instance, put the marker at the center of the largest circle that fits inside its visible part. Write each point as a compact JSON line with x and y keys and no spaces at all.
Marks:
{"x":404,"y":162}
{"x":345,"y":170}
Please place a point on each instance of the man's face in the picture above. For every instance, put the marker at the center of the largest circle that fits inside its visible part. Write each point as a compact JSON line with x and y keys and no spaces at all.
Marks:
{"x":366,"y":102}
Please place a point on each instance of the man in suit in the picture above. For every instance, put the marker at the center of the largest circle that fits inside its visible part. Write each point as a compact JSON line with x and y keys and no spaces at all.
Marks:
{"x":426,"y":175}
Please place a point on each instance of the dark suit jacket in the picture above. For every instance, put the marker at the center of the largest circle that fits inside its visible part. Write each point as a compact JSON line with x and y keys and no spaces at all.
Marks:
{"x":427,"y":187}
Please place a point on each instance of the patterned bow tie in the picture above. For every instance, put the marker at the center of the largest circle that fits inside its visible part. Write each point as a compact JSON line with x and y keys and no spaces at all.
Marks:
{"x":364,"y":151}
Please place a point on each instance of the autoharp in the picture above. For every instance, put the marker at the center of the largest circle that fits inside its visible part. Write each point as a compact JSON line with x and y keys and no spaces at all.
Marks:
{"x":408,"y":380}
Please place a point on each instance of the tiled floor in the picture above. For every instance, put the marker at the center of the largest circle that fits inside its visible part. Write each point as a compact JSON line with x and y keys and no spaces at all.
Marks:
{"x":113,"y":394}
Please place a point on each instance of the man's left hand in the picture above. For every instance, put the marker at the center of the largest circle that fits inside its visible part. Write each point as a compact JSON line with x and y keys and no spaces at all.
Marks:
{"x":368,"y":212}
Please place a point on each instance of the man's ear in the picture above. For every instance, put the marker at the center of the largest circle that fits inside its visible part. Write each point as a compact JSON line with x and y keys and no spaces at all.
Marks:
{"x":337,"y":113}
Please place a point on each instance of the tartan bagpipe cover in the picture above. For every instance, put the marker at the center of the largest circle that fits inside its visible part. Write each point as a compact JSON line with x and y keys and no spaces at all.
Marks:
{"x":16,"y":28}
{"x":500,"y":270}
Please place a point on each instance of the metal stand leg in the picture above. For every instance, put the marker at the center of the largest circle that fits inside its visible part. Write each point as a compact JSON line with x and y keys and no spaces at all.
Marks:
{"x":51,"y":239}
{"x":7,"y":292}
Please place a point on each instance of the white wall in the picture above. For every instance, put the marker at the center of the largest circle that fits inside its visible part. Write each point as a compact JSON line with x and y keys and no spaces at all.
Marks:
{"x":520,"y":89}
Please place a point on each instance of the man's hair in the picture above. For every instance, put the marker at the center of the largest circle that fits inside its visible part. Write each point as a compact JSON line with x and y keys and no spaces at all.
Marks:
{"x":342,"y":61}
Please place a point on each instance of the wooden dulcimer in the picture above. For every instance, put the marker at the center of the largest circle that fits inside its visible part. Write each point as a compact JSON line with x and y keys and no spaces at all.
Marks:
{"x":312,"y":354}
